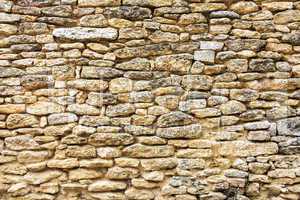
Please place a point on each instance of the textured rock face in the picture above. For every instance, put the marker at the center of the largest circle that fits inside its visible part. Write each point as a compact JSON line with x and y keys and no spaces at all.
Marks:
{"x":149,"y":99}
{"x":85,"y":34}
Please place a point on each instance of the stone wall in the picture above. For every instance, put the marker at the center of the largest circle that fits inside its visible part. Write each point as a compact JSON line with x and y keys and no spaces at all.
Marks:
{"x":149,"y":100}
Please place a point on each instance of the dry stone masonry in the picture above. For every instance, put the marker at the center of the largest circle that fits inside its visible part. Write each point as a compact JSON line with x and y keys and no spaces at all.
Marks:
{"x":149,"y":100}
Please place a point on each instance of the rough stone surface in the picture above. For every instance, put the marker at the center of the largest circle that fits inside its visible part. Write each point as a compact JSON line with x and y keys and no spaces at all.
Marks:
{"x":149,"y":99}
{"x":85,"y":34}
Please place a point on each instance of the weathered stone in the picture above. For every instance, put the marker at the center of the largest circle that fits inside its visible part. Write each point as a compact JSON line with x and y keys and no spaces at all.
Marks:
{"x":152,"y":3}
{"x":194,"y":153}
{"x":257,"y":125}
{"x":120,"y":173}
{"x":293,"y":38}
{"x":63,"y":164}
{"x":191,"y":18}
{"x":90,"y":85}
{"x":120,"y":85}
{"x":95,"y":163}
{"x":100,"y":99}
{"x":94,"y":120}
{"x":9,"y":18}
{"x":206,"y":56}
{"x":160,"y":36}
{"x":62,"y":118}
{"x":258,"y":136}
{"x":143,"y":151}
{"x":206,"y":112}
{"x":211,"y":45}
{"x":120,"y":110}
{"x":227,"y":14}
{"x":109,"y":196}
{"x":197,"y":82}
{"x":245,"y":149}
{"x":58,"y":11}
{"x":176,"y":118}
{"x":32,"y":156}
{"x":20,"y":121}
{"x":206,"y":7}
{"x":244,"y":7}
{"x":97,"y":20}
{"x":128,"y":12}
{"x":110,"y":139}
{"x":243,"y":94}
{"x":44,"y":108}
{"x":259,"y":15}
{"x":32,"y":28}
{"x":36,"y":178}
{"x":95,"y":3}
{"x":132,"y":33}
{"x":245,"y":44}
{"x":83,"y":109}
{"x":13,"y":168}
{"x":288,"y":126}
{"x":139,"y":194}
{"x":99,"y":72}
{"x":21,"y":142}
{"x":174,"y":63}
{"x":32,"y":82}
{"x":12,"y":108}
{"x":135,"y":64}
{"x":190,"y":131}
{"x":106,"y":186}
{"x":7,"y":29}
{"x":10,"y":72}
{"x":144,"y":51}
{"x":262,"y":65}
{"x":82,"y":173}
{"x":287,"y":16}
{"x":108,"y":152}
{"x":277,"y":6}
{"x":85,"y":34}
{"x":232,"y":107}
{"x":86,"y":151}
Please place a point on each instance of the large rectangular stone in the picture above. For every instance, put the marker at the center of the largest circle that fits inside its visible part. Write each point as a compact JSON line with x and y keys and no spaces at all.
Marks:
{"x":85,"y":34}
{"x":245,"y":148}
{"x":95,"y":3}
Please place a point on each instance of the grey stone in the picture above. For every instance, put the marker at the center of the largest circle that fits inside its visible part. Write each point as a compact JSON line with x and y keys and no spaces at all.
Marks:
{"x":189,"y":131}
{"x":62,"y":118}
{"x":128,"y":12}
{"x":10,"y":72}
{"x":293,"y":38}
{"x":120,"y":110}
{"x":221,"y":14}
{"x":207,"y":56}
{"x":288,"y":126}
{"x":262,"y":65}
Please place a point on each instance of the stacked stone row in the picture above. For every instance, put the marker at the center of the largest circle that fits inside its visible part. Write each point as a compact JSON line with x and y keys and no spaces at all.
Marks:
{"x":149,"y":100}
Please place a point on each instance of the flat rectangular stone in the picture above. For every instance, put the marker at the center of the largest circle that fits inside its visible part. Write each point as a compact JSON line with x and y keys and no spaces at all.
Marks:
{"x":95,"y":3}
{"x":207,"y":56}
{"x":246,"y":148}
{"x":85,"y":34}
{"x":211,"y":45}
{"x":9,"y":18}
